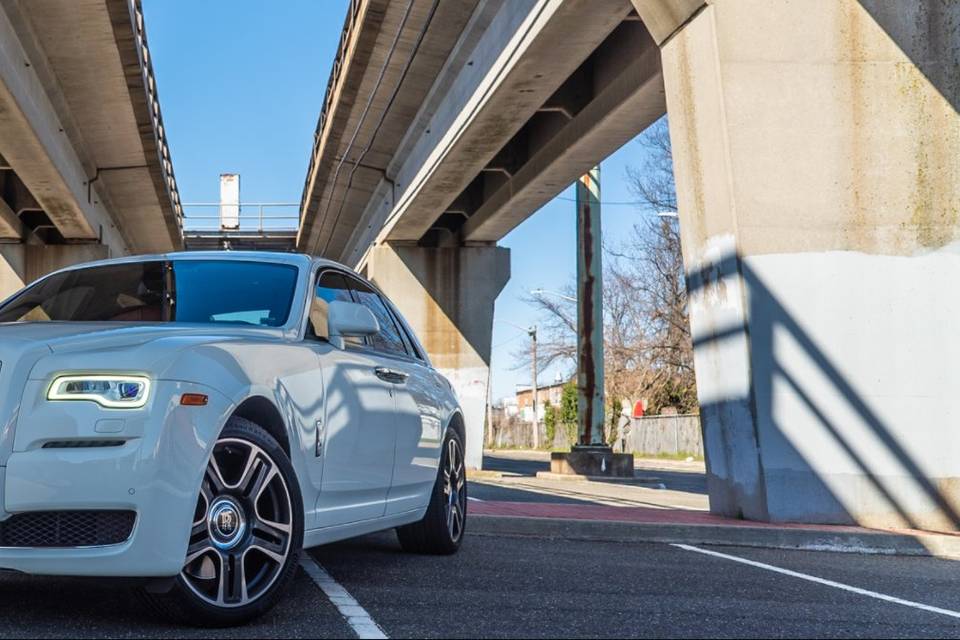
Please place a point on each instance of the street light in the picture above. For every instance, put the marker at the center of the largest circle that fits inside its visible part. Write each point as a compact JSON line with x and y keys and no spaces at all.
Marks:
{"x":532,"y":332}
{"x":545,"y":292}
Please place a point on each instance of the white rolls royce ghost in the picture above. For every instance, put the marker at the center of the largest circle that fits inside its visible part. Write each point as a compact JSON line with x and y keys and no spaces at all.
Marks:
{"x":197,"y":419}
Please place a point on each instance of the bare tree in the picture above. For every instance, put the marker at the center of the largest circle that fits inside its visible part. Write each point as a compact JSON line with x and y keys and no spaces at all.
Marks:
{"x":556,"y":331}
{"x":653,"y":183}
{"x":648,"y":350}
{"x":649,"y":264}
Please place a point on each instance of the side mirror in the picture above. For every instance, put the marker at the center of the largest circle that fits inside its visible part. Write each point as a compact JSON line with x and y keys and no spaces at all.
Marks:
{"x":349,"y":320}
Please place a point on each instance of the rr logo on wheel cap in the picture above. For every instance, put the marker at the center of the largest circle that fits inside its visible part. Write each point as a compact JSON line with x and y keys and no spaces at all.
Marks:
{"x":227,"y":522}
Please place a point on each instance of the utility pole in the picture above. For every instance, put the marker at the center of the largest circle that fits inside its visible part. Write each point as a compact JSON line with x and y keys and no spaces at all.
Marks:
{"x":532,"y":331}
{"x":591,"y":456}
{"x":589,"y":311}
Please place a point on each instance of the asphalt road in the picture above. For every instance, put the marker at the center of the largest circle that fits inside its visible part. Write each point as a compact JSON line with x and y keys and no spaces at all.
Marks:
{"x":522,"y":587}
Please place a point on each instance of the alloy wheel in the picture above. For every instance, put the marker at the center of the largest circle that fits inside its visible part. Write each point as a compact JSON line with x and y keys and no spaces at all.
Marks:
{"x":454,"y":488}
{"x":242,"y":526}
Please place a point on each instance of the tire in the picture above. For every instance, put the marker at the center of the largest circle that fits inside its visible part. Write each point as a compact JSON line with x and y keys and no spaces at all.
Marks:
{"x":247,"y":534}
{"x":442,"y":529}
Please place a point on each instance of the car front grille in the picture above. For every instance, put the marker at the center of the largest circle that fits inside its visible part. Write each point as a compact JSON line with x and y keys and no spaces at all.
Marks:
{"x":66,"y":528}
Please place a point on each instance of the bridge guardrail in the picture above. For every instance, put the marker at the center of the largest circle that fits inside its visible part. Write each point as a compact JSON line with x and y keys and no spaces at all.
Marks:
{"x":261,"y":218}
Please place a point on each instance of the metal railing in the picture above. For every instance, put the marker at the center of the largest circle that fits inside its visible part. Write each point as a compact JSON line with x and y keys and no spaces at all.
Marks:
{"x":261,"y":218}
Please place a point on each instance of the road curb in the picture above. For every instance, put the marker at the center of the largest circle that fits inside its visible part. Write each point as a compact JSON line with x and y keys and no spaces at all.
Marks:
{"x":483,"y":474}
{"x":892,"y":543}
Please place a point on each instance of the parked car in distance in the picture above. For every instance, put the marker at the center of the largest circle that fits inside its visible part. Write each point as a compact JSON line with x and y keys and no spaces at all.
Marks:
{"x":197,"y":419}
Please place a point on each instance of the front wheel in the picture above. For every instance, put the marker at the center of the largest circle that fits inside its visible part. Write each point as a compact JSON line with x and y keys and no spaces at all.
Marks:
{"x":246,"y":536}
{"x":442,"y":528}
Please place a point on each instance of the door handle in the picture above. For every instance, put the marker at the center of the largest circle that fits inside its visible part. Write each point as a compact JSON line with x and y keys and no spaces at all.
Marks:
{"x":391,"y":375}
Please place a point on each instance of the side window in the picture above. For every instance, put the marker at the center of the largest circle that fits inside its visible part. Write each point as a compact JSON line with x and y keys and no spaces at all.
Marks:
{"x":330,"y":286}
{"x":389,"y":339}
{"x":407,"y":338}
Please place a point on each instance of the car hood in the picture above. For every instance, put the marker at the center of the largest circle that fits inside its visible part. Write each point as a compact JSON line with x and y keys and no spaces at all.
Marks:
{"x":70,"y":336}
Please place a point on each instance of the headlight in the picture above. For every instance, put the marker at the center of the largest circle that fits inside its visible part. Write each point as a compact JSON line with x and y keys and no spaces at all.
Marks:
{"x":114,"y":392}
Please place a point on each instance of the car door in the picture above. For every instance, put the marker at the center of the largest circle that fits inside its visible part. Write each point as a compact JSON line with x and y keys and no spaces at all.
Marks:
{"x":418,"y":427}
{"x":419,"y":438}
{"x":358,"y":437}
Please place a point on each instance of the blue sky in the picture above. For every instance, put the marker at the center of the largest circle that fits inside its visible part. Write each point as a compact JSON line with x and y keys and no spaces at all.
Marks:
{"x":241,"y":84}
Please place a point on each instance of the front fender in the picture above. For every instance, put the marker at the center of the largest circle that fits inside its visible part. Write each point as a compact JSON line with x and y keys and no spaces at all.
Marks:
{"x":156,"y":472}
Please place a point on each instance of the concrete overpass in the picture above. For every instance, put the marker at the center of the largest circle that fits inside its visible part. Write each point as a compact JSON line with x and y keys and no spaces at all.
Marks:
{"x":85,"y":169}
{"x":815,"y":150}
{"x":445,"y":126}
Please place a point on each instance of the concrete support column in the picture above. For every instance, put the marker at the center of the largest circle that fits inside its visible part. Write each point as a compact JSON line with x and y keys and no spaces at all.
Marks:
{"x":21,"y":264}
{"x":41,"y":259}
{"x":12,"y":269}
{"x":447,"y":295}
{"x":815,"y":147}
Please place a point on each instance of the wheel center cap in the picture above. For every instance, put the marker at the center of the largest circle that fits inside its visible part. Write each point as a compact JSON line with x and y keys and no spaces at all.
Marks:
{"x":226,"y":523}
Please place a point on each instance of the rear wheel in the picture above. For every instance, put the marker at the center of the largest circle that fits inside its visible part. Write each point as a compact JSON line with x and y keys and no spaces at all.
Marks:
{"x":442,"y":528}
{"x":246,"y":536}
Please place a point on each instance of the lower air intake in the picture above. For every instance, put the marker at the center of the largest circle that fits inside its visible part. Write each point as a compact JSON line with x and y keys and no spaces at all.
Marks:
{"x":66,"y":528}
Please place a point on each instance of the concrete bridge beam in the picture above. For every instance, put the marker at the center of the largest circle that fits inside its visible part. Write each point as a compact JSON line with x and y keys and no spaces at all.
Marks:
{"x":32,"y":141}
{"x":447,"y":295}
{"x":819,"y":196}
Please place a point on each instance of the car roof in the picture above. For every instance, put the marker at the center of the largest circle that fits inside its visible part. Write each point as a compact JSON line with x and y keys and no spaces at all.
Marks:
{"x":297,"y":259}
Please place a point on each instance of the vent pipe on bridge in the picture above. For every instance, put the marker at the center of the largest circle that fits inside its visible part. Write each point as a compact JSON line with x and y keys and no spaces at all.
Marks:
{"x":229,"y":201}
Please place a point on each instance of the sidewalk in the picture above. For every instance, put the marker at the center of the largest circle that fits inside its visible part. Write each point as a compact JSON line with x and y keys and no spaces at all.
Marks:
{"x":674,"y":510}
{"x":679,"y":526}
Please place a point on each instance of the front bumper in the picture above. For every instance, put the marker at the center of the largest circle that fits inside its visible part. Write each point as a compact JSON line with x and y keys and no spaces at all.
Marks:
{"x":156,"y":473}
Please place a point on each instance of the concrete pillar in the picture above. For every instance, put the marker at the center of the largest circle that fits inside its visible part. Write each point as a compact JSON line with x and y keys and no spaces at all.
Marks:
{"x":21,"y":264}
{"x":447,"y":296}
{"x":816,"y":150}
{"x":41,"y":259}
{"x":12,"y":269}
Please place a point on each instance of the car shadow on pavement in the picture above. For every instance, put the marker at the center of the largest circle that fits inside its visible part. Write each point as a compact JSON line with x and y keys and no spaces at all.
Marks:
{"x":38,"y":606}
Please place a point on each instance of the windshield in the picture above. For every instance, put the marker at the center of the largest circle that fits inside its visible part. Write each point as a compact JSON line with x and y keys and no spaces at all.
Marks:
{"x":219,"y":291}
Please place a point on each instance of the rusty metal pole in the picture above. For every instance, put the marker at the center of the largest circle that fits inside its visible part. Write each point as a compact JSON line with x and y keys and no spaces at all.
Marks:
{"x":589,"y":311}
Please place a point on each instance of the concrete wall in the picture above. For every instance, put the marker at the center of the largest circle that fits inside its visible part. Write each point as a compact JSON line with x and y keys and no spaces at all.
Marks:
{"x":815,"y":148}
{"x":447,"y":296}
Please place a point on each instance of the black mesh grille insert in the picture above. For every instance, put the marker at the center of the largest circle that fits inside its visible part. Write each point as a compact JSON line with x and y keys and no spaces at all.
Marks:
{"x":82,"y":444}
{"x":66,"y":528}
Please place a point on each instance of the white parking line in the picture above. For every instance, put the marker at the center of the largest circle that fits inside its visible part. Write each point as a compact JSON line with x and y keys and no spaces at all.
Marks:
{"x":471,"y":498}
{"x":355,"y":615}
{"x":829,"y":583}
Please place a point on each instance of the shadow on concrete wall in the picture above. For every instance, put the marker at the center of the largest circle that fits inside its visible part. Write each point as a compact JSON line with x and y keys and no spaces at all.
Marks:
{"x":926,"y":33}
{"x":795,"y":490}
